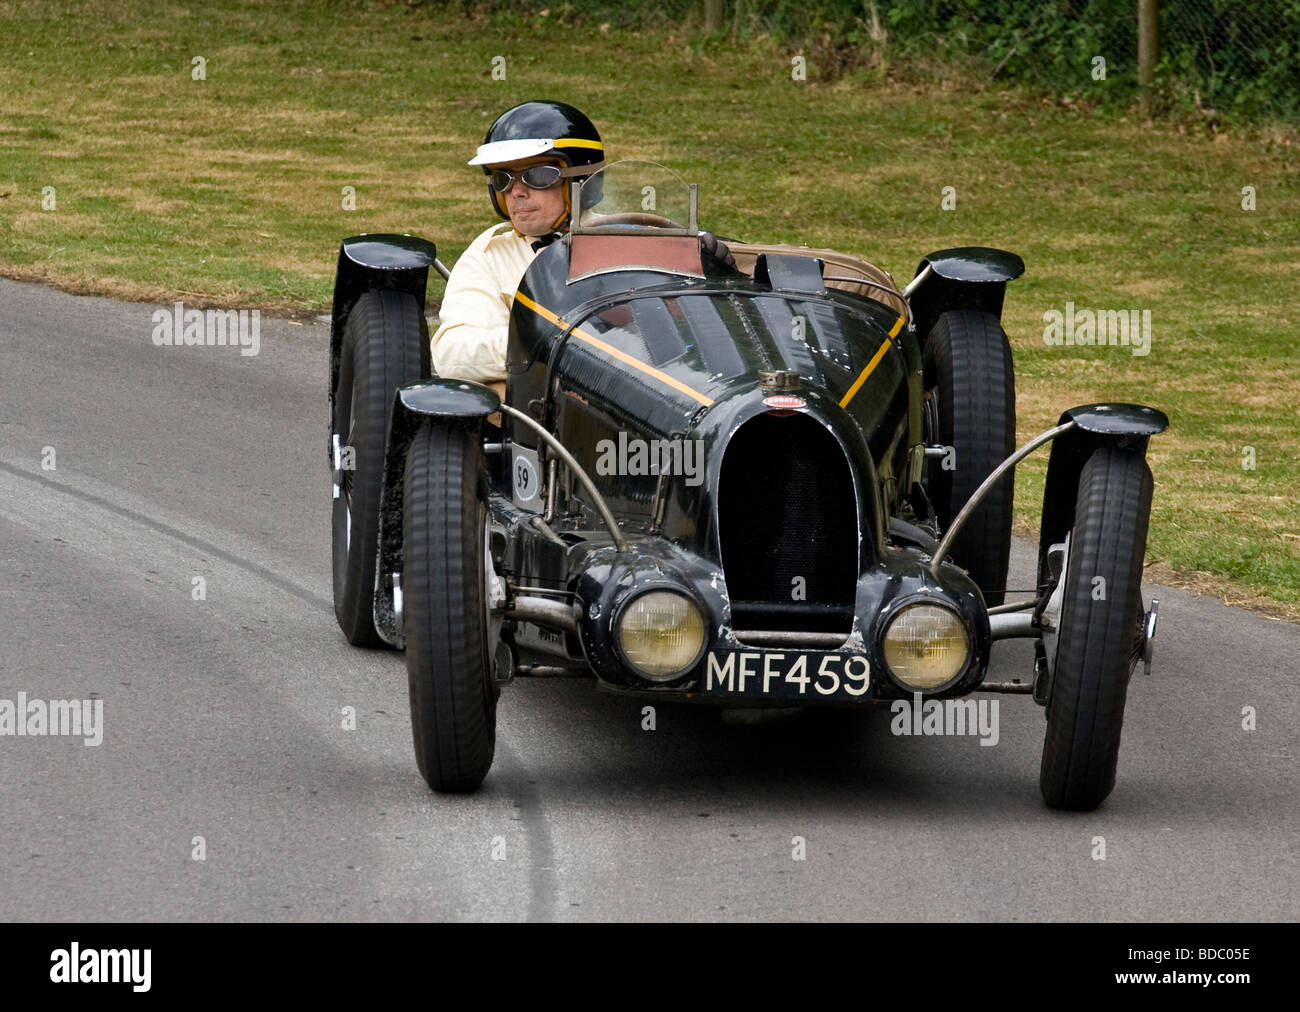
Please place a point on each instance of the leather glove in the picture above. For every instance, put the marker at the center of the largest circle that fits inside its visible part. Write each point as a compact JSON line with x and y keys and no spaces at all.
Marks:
{"x":716,"y":248}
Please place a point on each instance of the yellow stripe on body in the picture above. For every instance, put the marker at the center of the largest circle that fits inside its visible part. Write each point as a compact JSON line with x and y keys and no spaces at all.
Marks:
{"x":609,"y":349}
{"x":875,"y":361}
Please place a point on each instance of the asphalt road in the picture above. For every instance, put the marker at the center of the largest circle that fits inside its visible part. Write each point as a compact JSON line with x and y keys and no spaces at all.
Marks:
{"x":223,"y":717}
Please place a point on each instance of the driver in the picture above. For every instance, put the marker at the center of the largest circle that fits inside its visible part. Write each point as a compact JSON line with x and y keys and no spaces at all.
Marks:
{"x":529,"y":156}
{"x":529,"y":152}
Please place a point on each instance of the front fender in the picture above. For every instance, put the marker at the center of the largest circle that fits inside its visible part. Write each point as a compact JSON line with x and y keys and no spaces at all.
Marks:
{"x":448,"y":402}
{"x":1095,"y":425}
{"x":375,"y":261}
{"x":966,"y":277}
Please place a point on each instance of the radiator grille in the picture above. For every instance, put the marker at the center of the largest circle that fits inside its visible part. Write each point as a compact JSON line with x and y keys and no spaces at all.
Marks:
{"x":787,"y":512}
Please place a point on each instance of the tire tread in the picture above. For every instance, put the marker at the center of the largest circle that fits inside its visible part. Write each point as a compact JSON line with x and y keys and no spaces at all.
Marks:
{"x":968,"y":357}
{"x":386,"y":346}
{"x":453,"y":706}
{"x":1098,"y":639}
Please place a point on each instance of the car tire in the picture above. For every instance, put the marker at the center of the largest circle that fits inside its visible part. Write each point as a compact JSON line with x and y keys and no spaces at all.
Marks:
{"x":453,"y":692}
{"x":385,"y":346}
{"x":970,"y":405}
{"x":1100,"y":633}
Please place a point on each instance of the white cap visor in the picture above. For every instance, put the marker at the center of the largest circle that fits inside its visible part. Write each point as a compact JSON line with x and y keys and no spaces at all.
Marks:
{"x":501,"y":152}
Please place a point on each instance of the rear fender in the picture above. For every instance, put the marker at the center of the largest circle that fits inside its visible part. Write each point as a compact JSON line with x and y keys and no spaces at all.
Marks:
{"x":1095,"y":426}
{"x":443,"y":402}
{"x":967,"y":277}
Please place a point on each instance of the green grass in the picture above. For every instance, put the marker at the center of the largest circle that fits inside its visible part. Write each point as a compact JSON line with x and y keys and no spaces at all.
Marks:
{"x":230,"y":188}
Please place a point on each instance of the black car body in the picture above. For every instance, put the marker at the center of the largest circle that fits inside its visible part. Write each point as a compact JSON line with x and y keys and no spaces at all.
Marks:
{"x":769,"y":515}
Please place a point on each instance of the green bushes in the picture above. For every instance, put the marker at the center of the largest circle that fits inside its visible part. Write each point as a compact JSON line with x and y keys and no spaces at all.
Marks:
{"x":1239,"y":59}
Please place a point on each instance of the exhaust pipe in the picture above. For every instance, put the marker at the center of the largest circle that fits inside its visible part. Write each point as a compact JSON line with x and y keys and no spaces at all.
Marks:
{"x":546,"y":612}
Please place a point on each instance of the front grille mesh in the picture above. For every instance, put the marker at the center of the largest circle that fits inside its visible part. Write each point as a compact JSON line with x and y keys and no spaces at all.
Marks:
{"x":787,"y":521}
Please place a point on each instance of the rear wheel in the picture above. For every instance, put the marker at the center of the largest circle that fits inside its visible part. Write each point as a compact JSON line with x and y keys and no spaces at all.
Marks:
{"x":970,"y":405}
{"x":447,"y":622}
{"x":385,"y":346}
{"x":1100,"y":633}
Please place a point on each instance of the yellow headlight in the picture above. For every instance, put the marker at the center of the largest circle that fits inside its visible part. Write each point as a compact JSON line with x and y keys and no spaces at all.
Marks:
{"x":661,"y":633}
{"x":925,"y":646}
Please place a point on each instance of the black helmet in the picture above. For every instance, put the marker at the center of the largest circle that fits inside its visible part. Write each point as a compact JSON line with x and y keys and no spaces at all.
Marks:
{"x":536,"y":129}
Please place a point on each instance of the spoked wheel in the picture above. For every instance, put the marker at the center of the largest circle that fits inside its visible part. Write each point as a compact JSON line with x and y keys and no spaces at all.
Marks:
{"x":385,"y":346}
{"x":450,"y":588}
{"x":1100,"y":629}
{"x":970,"y":405}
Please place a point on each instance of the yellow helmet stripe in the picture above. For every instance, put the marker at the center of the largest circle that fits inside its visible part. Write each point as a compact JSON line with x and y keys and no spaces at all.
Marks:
{"x":578,"y":142}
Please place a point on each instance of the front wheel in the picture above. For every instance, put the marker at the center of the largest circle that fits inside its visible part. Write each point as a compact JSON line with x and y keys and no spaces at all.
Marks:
{"x":448,"y":587}
{"x":1100,"y":629}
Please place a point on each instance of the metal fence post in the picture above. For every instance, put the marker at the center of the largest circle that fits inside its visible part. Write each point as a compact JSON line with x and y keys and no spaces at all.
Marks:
{"x":713,"y":11}
{"x":1148,"y":47}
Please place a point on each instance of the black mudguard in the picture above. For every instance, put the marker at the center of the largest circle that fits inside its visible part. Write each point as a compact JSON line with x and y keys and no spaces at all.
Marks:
{"x":451,"y":402}
{"x":967,"y":277}
{"x":1096,"y":425}
{"x":375,"y":261}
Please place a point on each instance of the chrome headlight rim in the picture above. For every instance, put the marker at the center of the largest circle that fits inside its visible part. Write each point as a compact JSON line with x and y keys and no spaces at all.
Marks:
{"x":890,"y":615}
{"x":616,"y":620}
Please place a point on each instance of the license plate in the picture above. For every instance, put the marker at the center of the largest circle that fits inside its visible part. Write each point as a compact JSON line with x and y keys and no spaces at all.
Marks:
{"x":790,"y":674}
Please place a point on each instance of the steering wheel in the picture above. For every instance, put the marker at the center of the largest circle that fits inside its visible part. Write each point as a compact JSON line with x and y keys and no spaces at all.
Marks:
{"x":631,"y":218}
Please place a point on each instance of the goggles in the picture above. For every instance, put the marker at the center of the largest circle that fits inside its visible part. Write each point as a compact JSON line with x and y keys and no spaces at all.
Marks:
{"x":535,"y":177}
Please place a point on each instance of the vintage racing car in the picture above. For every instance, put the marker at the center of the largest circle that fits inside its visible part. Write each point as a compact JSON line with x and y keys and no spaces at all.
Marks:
{"x":787,"y":483}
